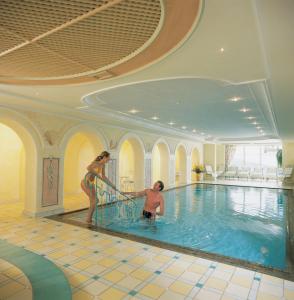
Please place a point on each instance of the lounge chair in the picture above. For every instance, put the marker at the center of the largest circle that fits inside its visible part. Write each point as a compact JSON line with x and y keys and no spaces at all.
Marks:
{"x":243,"y":173}
{"x":209,"y":171}
{"x":286,"y":173}
{"x":256,"y":173}
{"x":271,"y":173}
{"x":231,"y":172}
{"x":220,"y":171}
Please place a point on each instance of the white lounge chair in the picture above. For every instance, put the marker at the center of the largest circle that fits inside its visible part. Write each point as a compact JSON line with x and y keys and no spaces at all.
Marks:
{"x":243,"y":173}
{"x":271,"y":173}
{"x":220,"y":171}
{"x":231,"y":172}
{"x":209,"y":171}
{"x":256,"y":173}
{"x":286,"y":173}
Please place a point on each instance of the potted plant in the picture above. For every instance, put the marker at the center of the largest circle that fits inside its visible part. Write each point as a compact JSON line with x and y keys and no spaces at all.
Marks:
{"x":198,"y":169}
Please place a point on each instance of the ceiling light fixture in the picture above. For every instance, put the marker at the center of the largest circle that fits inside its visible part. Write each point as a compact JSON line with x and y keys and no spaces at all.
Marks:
{"x":171,"y":123}
{"x":184,"y":127}
{"x":194,"y":130}
{"x":202,"y":133}
{"x":133,"y":111}
{"x":235,"y":99}
{"x":255,"y":123}
{"x":244,"y":109}
{"x":222,"y":50}
{"x":155,"y":118}
{"x":250,"y":118}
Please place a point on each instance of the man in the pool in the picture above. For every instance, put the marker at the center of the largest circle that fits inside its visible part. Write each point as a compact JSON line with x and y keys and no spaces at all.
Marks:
{"x":153,"y":200}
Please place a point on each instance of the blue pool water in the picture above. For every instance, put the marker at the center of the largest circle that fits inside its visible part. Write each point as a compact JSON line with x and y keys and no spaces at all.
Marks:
{"x":241,"y":222}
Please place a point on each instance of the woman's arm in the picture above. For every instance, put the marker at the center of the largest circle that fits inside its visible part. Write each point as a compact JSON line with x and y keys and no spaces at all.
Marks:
{"x":106,"y":180}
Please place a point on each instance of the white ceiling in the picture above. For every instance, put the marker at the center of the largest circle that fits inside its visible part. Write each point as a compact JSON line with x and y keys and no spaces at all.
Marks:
{"x":256,"y":65}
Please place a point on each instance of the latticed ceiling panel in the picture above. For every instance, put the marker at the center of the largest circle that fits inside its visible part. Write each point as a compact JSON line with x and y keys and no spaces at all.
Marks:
{"x":67,"y":38}
{"x":35,"y":61}
{"x":106,"y":37}
{"x":31,"y":18}
{"x":73,"y":41}
{"x":8,"y":40}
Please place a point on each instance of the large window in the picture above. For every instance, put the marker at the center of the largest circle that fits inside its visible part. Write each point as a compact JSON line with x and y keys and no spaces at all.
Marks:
{"x":254,"y":155}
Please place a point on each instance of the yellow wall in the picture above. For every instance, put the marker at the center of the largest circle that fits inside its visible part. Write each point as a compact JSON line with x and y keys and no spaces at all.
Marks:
{"x":288,"y":154}
{"x":209,"y":155}
{"x":80,"y":152}
{"x":156,"y":164}
{"x":131,"y":163}
{"x":126,"y":163}
{"x":181,"y":165}
{"x":220,"y":155}
{"x":12,"y":166}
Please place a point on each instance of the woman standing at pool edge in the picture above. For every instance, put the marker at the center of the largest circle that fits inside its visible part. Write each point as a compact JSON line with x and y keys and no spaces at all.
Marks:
{"x":96,"y":168}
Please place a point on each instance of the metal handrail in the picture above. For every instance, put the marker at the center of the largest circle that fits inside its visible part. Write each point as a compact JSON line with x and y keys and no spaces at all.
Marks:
{"x":124,"y":206}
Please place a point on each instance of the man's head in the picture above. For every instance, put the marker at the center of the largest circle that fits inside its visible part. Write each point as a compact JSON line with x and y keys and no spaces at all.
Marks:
{"x":158,"y":186}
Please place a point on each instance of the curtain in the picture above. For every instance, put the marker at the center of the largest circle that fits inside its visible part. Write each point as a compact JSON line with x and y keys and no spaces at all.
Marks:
{"x":229,"y":154}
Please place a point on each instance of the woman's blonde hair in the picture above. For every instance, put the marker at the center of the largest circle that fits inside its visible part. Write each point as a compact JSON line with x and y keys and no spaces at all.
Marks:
{"x":102,"y":155}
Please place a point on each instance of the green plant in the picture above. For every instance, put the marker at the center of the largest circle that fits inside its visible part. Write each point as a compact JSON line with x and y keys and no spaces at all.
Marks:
{"x":198,"y":169}
{"x":279,"y":157}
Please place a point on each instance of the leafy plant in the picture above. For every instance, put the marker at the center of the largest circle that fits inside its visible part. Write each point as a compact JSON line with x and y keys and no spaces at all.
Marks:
{"x":198,"y":169}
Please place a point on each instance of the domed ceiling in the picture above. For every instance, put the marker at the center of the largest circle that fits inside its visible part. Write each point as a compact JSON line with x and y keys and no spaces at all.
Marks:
{"x":73,"y":41}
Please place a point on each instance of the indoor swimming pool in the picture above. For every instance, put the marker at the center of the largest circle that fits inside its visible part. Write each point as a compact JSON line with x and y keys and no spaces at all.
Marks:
{"x":245,"y":223}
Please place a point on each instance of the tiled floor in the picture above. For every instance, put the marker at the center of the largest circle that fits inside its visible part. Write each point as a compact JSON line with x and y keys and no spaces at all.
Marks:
{"x":100,"y":266}
{"x":14,"y":284}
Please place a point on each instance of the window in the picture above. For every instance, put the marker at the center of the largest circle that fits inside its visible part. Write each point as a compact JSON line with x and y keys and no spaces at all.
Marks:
{"x":254,"y":156}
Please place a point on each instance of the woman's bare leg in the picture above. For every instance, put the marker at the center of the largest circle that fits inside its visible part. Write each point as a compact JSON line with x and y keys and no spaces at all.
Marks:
{"x":91,"y":194}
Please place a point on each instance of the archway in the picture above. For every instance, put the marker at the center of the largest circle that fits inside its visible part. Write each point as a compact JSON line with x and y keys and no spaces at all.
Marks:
{"x":20,"y":183}
{"x":81,"y":149}
{"x":160,"y":163}
{"x":131,"y":165}
{"x":181,"y":165}
{"x":195,"y":160}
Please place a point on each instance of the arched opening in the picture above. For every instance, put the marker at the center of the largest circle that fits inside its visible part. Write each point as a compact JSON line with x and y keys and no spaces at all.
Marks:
{"x":160,"y":163}
{"x":181,"y":166}
{"x":18,"y":167}
{"x":131,"y":165}
{"x":82,"y":148}
{"x":195,"y":160}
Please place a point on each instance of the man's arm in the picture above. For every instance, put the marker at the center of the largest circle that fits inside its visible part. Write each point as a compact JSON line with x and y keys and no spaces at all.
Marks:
{"x":161,"y":211}
{"x":136,"y":194}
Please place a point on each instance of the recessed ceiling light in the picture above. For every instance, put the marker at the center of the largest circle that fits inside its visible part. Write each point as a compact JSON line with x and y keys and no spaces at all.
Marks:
{"x":184,"y":127}
{"x":258,"y":127}
{"x":235,"y":99}
{"x":171,"y":123}
{"x":244,"y":109}
{"x":155,"y":118}
{"x":133,"y":111}
{"x":255,"y":123}
{"x":202,"y":133}
{"x":250,"y":118}
{"x":194,"y":130}
{"x":222,"y":50}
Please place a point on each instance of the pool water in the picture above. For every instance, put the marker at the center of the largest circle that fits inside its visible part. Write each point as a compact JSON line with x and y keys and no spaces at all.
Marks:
{"x":240,"y":222}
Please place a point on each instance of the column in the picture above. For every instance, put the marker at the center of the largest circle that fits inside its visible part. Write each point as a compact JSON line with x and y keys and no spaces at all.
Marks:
{"x":172,"y":171}
{"x":148,"y":170}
